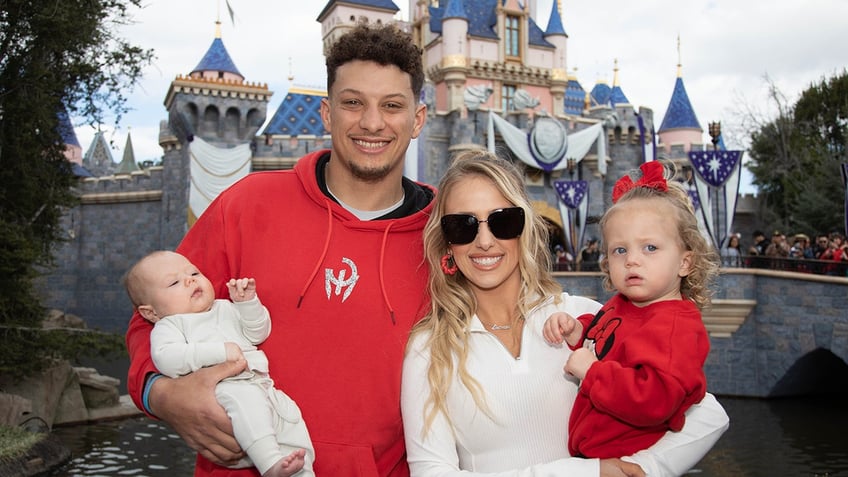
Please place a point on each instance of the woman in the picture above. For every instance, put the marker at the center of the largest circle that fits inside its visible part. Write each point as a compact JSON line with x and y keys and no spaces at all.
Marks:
{"x":482,"y":391}
{"x":731,"y":254}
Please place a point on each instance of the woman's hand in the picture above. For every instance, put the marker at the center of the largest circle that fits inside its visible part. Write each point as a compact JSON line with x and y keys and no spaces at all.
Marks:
{"x":620,"y":468}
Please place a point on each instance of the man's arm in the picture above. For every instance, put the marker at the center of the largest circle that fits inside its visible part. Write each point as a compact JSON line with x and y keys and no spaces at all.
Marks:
{"x":188,"y":403}
{"x":189,"y":406}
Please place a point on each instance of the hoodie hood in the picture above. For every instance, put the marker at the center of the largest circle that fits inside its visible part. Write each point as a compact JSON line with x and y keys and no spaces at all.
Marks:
{"x":411,"y":216}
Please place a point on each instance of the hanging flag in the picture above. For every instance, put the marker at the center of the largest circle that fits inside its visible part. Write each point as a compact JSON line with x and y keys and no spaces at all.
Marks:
{"x":573,"y":208}
{"x":714,"y":167}
{"x":648,"y":147}
{"x":231,"y":12}
{"x":653,"y":143}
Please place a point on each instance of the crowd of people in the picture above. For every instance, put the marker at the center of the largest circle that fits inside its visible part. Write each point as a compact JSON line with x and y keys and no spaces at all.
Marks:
{"x":828,"y":254}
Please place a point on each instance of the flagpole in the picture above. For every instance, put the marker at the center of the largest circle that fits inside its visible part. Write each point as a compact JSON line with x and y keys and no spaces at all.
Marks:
{"x":714,"y":129}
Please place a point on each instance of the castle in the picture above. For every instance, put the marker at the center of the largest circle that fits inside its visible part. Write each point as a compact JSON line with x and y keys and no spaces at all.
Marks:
{"x":493,"y":75}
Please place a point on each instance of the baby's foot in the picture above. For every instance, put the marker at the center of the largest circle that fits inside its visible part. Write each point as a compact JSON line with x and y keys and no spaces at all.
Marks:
{"x":288,"y":465}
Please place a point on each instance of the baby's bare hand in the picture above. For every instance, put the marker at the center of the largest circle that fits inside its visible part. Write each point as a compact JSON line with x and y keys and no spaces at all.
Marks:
{"x":242,"y":289}
{"x":579,"y":362}
{"x":558,"y":326}
{"x":234,"y":352}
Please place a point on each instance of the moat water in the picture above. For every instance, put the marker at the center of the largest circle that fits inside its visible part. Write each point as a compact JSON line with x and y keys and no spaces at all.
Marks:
{"x":776,"y":437}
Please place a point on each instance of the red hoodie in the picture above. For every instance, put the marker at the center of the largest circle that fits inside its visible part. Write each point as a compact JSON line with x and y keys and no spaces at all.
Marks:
{"x":343,"y":295}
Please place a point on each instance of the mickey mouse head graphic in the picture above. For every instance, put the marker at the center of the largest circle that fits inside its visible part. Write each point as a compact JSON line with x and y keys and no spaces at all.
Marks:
{"x":600,"y":335}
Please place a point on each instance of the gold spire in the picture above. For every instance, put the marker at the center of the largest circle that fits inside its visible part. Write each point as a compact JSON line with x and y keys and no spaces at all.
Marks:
{"x":615,"y":73}
{"x":559,"y":7}
{"x":679,"y":60}
{"x":218,"y":19}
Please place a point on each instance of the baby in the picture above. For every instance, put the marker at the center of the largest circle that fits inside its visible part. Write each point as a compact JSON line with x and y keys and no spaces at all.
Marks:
{"x":193,"y":330}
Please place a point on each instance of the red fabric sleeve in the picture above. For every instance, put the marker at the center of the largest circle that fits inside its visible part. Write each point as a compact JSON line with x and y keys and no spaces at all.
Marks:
{"x":662,"y":372}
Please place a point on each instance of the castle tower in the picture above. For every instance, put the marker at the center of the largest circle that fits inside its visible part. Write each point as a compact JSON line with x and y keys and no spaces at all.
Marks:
{"x":680,"y":128}
{"x":128,"y":164}
{"x":73,"y":150}
{"x":339,"y":16}
{"x":617,"y":96}
{"x":213,"y":117}
{"x":214,"y":102}
{"x":555,"y":35}
{"x":503,"y":52}
{"x":454,"y":56}
{"x":98,"y":158}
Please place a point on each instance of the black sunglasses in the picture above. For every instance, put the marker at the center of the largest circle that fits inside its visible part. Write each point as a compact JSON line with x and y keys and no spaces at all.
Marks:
{"x":505,"y":224}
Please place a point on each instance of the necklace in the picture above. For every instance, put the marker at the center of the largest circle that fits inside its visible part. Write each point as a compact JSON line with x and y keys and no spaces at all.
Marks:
{"x":497,"y":327}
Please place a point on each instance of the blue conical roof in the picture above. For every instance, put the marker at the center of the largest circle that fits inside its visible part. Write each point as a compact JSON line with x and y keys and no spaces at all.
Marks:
{"x":217,"y":59}
{"x":679,"y":114}
{"x":601,"y":93}
{"x":555,"y":22}
{"x":66,"y":129}
{"x":617,"y":96}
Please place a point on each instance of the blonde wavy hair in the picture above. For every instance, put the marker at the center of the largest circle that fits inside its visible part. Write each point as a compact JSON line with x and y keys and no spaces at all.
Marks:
{"x":705,"y":260}
{"x":452,"y":300}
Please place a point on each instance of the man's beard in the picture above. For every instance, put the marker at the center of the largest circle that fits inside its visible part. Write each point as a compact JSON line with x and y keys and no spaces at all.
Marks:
{"x":370,"y":174}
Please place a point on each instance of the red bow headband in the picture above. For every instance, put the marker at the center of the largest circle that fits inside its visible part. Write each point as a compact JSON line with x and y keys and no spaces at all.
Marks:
{"x":652,"y":178}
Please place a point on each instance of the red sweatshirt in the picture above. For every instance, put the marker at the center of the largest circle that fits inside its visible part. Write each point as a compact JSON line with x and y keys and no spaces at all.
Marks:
{"x":650,"y":371}
{"x":343,"y":295}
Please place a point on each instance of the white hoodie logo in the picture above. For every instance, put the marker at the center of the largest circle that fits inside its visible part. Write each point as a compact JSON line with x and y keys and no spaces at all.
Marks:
{"x":340,"y":282}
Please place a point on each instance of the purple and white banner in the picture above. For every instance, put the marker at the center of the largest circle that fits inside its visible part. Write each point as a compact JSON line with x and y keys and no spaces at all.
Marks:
{"x":715,"y":167}
{"x":717,"y":178}
{"x":574,"y":209}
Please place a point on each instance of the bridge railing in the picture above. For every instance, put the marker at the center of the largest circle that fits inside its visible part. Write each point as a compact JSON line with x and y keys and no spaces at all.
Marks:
{"x":801,"y":265}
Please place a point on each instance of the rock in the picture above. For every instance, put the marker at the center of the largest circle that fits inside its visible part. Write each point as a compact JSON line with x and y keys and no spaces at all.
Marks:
{"x":63,"y":395}
{"x":59,"y":319}
{"x":97,"y":390}
{"x":46,"y":391}
{"x":14,"y":409}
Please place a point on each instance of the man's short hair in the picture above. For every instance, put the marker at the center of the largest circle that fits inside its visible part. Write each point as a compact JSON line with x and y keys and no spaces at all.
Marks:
{"x":383,"y":44}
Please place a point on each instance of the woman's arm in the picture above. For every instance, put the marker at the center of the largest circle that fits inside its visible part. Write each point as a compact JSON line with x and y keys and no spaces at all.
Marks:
{"x":435,"y":454}
{"x":677,"y":452}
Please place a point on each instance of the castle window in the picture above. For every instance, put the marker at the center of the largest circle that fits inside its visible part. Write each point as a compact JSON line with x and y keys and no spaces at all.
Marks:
{"x":512,"y":36}
{"x":507,"y":95}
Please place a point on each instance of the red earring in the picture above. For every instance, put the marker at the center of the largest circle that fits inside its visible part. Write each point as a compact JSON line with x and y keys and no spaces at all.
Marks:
{"x":448,"y":264}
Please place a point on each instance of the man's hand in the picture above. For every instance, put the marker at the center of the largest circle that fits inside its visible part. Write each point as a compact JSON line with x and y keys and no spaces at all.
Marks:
{"x":620,"y":468}
{"x":189,"y":406}
{"x":242,"y":289}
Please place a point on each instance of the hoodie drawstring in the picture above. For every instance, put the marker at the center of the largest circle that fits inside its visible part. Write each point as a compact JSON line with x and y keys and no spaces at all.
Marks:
{"x":382,"y":280}
{"x":323,"y":252}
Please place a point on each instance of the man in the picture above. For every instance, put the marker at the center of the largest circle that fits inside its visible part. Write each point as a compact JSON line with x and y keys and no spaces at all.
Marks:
{"x":336,"y":247}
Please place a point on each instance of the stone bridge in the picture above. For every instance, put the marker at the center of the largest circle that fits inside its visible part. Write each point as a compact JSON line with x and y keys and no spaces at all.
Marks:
{"x":773,"y":333}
